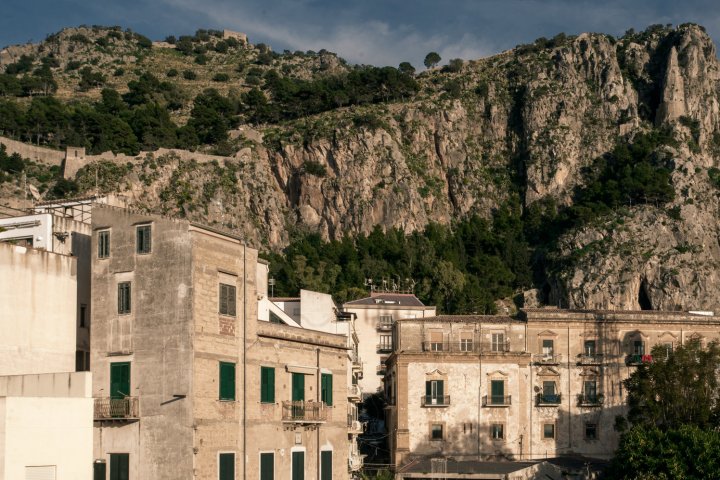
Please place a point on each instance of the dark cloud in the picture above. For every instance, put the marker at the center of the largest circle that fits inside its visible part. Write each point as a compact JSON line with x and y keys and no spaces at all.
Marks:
{"x":380,"y":32}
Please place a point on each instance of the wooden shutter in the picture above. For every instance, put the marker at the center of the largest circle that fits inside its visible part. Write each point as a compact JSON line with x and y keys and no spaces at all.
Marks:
{"x":227,"y":381}
{"x":267,"y":466}
{"x":119,"y":379}
{"x":440,"y":389}
{"x":267,"y":385}
{"x":497,"y":388}
{"x":326,"y":387}
{"x":326,"y":465}
{"x":119,"y":466}
{"x":298,"y":465}
{"x":99,"y":471}
{"x":227,"y":466}
{"x":298,"y":387}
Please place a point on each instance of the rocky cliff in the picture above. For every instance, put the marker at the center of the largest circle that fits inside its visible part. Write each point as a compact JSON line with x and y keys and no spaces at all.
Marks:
{"x":522,"y":126}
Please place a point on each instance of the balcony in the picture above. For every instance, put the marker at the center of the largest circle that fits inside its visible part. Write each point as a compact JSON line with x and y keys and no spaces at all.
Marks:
{"x":117,"y":409}
{"x":548,"y":400}
{"x":383,"y":348}
{"x":381,"y":369}
{"x":467,"y":346}
{"x":590,"y":400}
{"x":356,"y":361}
{"x":384,"y":325}
{"x":304,"y":412}
{"x":546,"y":359}
{"x":435,"y":401}
{"x":354,"y":394}
{"x":355,"y":462}
{"x":496,"y":347}
{"x":355,"y":427}
{"x":638,"y":359}
{"x":590,"y":359}
{"x":496,"y":401}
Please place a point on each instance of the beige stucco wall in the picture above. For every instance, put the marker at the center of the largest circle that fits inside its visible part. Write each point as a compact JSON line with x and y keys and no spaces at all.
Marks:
{"x":37,"y":311}
{"x":46,"y":420}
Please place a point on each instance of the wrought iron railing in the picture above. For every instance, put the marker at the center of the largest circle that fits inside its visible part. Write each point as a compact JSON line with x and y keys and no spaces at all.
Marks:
{"x":384,"y":347}
{"x":590,"y":400}
{"x":384,"y":325}
{"x":497,"y":401}
{"x":435,"y":400}
{"x":547,"y":358}
{"x":117,"y":408}
{"x":302,"y":411}
{"x":548,"y":399}
{"x":590,"y":359}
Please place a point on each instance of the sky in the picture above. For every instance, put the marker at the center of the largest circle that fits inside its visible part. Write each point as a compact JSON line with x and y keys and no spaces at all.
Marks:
{"x":374,"y":32}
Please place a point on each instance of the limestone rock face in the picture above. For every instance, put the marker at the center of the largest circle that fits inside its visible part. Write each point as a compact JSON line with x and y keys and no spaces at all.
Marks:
{"x":520,"y":126}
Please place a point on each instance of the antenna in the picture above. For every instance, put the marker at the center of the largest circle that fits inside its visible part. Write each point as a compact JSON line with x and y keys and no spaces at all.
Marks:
{"x":271,"y":283}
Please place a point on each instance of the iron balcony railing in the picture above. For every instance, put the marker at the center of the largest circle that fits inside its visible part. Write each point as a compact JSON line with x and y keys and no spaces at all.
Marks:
{"x":497,"y":401}
{"x":117,"y":408}
{"x":547,"y":358}
{"x":638,"y":359}
{"x":589,"y":400}
{"x":381,"y":369}
{"x":435,"y":400}
{"x":384,"y":325}
{"x":466,"y":346}
{"x":551,"y":399}
{"x":356,"y":360}
{"x":384,"y":347}
{"x":304,"y":412}
{"x":590,"y":359}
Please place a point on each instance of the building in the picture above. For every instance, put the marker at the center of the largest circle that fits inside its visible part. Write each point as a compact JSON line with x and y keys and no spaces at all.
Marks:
{"x":188,"y":381}
{"x":545,"y":384}
{"x":318,"y":311}
{"x":45,"y":407}
{"x":375,"y":316}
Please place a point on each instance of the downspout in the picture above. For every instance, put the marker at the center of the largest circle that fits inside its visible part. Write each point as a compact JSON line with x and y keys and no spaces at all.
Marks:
{"x":479,"y":400}
{"x":570,"y":401}
{"x":319,"y":394}
{"x":244,"y":357}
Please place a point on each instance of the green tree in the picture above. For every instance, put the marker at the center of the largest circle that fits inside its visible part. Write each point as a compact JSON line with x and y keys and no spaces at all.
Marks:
{"x":406,"y":68}
{"x":432,"y":59}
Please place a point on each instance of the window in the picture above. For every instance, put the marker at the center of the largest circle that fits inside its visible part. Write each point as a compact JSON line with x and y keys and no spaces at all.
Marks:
{"x":326,"y":385}
{"x":83,"y":315}
{"x":549,"y":430}
{"x":267,"y":466}
{"x":124,"y":298}
{"x":267,"y":385}
{"x":498,"y":342}
{"x":467,"y":427}
{"x":638,"y":347}
{"x":496,"y":431}
{"x":466,"y":343}
{"x":435,"y":392}
{"x":298,"y":387}
{"x":227,"y":381}
{"x":144,"y":239}
{"x":497,"y":392}
{"x":547,"y":348}
{"x":385,"y":320}
{"x":385,"y":342}
{"x":548,"y":388}
{"x":226,"y":466}
{"x":298,"y":466}
{"x":103,"y":243}
{"x":227,"y":300}
{"x":326,"y":465}
{"x":119,"y":466}
{"x":589,"y":348}
{"x":82,"y":361}
{"x":591,"y":431}
{"x":436,"y":431}
{"x":590,"y":390}
{"x":668,"y":347}
{"x":436,"y":341}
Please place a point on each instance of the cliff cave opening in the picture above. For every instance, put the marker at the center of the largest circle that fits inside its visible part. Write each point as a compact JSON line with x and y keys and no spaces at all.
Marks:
{"x":643,"y":297}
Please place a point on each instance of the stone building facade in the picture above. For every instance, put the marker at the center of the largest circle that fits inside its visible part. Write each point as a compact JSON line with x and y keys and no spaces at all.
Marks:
{"x":188,"y":383}
{"x":374,"y":319}
{"x":544,"y":384}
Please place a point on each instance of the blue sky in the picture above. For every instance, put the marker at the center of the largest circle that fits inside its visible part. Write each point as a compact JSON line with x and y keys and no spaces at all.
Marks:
{"x":367,"y":31}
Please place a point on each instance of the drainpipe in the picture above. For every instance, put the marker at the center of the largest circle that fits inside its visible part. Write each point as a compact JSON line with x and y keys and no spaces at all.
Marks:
{"x":244,"y":357}
{"x":319,"y":397}
{"x":479,"y":400}
{"x":570,"y":400}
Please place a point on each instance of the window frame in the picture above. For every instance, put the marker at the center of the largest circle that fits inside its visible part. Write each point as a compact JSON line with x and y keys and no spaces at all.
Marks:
{"x":590,"y":426}
{"x":260,"y":463}
{"x":143,"y":241}
{"x":124,"y":305}
{"x":223,"y":388}
{"x":230,"y":302}
{"x":497,"y":431}
{"x":234,"y":461}
{"x":326,"y":388}
{"x":267,"y":384}
{"x":433,"y":430}
{"x":103,"y":242}
{"x":497,"y":342}
{"x":545,"y":431}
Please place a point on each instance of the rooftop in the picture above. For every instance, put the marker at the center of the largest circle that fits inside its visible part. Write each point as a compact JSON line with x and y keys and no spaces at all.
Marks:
{"x":397,"y":299}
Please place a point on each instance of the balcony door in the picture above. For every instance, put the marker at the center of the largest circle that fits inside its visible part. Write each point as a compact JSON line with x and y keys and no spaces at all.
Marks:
{"x":434,"y":392}
{"x":298,"y":465}
{"x":119,"y":380}
{"x":298,"y":387}
{"x":547,"y":349}
{"x":497,"y":392}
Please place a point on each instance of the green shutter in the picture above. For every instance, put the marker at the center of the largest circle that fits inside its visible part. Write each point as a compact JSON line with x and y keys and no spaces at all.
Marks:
{"x":227,"y":466}
{"x":227,"y":381}
{"x":119,"y":466}
{"x":428,"y":388}
{"x":267,"y":385}
{"x":99,"y":471}
{"x":326,"y":465}
{"x":497,"y":388}
{"x":298,"y":387}
{"x":440,"y":389}
{"x":298,"y":465}
{"x":119,"y":380}
{"x":267,"y":466}
{"x":326,"y":388}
